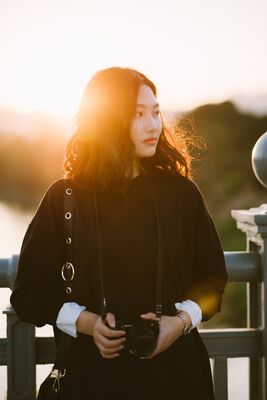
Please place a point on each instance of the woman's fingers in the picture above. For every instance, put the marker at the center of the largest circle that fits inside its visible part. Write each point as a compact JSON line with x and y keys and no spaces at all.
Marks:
{"x":150,"y":315}
{"x":111,"y":319}
{"x":104,"y":350}
{"x":109,"y":356}
{"x":103,"y":335}
{"x":107,"y":343}
{"x":106,"y":331}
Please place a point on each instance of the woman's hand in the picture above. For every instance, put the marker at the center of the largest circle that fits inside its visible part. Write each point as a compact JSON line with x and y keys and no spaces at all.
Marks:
{"x":170,"y":328}
{"x":102,"y":335}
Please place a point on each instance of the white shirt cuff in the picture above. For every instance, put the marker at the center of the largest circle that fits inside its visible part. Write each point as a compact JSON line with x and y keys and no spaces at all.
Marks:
{"x":193,"y":310}
{"x":67,"y":317}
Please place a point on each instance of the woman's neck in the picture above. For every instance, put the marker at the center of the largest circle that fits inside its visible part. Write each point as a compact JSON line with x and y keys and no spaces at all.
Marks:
{"x":136,"y":171}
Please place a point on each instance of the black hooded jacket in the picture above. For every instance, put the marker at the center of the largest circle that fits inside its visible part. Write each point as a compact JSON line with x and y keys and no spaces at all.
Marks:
{"x":193,"y":268}
{"x":193,"y":261}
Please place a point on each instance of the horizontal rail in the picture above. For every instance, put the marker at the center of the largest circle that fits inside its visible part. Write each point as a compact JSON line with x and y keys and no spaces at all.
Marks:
{"x":8,"y":268}
{"x":245,"y":342}
{"x":242,"y":266}
{"x":228,"y":343}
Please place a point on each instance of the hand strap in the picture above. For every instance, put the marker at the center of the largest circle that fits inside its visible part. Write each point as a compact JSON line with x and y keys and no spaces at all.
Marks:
{"x":68,"y":271}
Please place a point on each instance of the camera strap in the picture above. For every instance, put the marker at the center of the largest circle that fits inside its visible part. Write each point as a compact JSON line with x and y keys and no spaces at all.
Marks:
{"x":158,"y":307}
{"x":160,"y":255}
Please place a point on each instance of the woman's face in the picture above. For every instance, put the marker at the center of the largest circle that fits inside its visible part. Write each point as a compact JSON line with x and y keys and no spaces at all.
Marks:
{"x":146,"y":123}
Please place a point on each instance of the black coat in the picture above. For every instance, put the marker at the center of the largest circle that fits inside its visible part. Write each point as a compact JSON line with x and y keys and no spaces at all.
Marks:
{"x":194,"y":268}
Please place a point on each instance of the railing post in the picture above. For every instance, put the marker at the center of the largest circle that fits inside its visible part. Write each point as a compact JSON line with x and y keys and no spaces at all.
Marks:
{"x":253,"y":223}
{"x":264,"y":263}
{"x":21,"y":369}
{"x":220,"y":380}
{"x":254,"y":320}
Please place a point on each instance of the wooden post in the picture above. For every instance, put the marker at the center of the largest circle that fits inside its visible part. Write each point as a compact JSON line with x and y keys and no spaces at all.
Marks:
{"x":21,"y":369}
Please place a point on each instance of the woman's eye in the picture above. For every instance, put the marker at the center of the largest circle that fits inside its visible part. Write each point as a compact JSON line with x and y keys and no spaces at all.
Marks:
{"x":140,"y":114}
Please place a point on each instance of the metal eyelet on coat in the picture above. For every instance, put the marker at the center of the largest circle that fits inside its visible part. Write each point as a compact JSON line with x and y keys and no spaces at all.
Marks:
{"x":68,"y":240}
{"x":69,"y":191}
{"x":67,"y":271}
{"x":68,"y":215}
{"x":68,"y":290}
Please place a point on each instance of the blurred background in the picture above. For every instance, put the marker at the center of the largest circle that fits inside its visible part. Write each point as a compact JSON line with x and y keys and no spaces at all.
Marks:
{"x":208,"y":60}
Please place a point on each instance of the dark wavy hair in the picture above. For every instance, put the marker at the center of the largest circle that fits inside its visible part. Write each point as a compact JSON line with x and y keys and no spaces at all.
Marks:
{"x":100,"y":153}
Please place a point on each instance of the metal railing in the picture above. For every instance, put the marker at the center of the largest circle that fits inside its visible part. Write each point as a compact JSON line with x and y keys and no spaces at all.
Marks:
{"x":21,"y":350}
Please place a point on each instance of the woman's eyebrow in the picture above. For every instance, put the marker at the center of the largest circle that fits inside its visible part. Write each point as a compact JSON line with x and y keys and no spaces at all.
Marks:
{"x":144,"y":106}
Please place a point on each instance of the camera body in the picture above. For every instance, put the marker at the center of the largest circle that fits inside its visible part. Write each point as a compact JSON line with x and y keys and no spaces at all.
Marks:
{"x":141,"y":335}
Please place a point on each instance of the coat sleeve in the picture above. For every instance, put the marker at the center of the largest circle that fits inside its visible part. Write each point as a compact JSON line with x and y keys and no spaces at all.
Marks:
{"x":209,"y":274}
{"x":38,"y":292}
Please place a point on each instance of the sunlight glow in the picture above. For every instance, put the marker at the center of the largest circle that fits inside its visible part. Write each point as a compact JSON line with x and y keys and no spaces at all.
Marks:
{"x":191,"y":53}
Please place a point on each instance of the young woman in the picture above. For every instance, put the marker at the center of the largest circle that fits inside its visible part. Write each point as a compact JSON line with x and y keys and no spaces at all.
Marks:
{"x":136,"y":212}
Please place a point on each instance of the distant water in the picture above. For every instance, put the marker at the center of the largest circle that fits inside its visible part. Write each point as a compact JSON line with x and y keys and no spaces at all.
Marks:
{"x":13,"y":225}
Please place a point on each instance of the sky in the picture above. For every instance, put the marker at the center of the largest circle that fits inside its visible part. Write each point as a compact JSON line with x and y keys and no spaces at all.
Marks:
{"x":194,"y":51}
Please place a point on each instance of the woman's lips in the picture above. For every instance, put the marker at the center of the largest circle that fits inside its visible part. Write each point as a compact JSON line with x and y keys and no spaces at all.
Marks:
{"x":150,"y":141}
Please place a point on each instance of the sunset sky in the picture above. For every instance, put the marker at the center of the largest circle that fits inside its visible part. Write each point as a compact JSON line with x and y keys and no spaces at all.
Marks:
{"x":194,"y":51}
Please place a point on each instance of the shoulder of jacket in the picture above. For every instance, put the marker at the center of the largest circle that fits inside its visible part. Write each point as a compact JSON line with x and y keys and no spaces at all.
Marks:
{"x":189,"y":188}
{"x":55,"y":187}
{"x":51,"y":201}
{"x":187,"y":183}
{"x":54,"y":193}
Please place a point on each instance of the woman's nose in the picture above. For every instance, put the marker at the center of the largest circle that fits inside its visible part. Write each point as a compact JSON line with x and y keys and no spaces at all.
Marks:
{"x":151,"y":124}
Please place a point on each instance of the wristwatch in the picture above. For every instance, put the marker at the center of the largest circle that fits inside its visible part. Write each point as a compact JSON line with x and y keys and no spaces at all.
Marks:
{"x":186,"y":330}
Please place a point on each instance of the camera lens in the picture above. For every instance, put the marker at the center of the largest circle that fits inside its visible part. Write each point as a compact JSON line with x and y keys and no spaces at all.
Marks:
{"x":143,"y":339}
{"x":144,"y":345}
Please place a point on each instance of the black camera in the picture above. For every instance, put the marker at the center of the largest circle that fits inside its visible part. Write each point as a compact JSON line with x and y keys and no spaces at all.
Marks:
{"x":141,"y":336}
